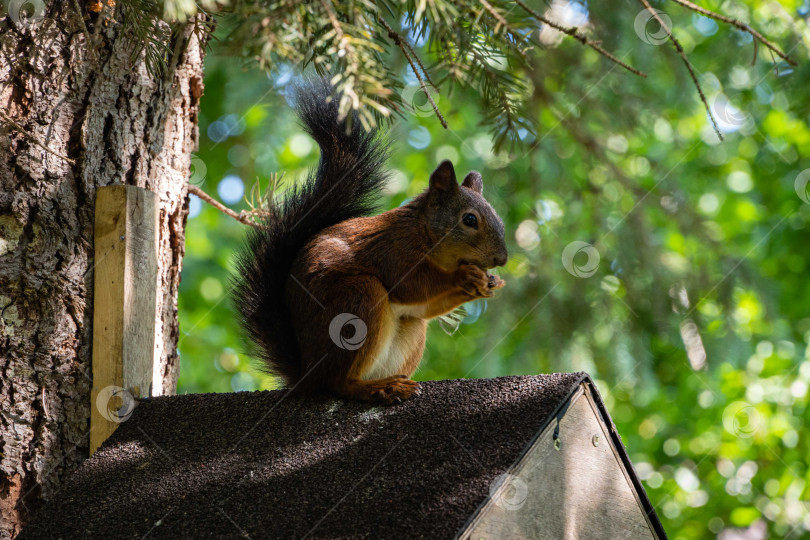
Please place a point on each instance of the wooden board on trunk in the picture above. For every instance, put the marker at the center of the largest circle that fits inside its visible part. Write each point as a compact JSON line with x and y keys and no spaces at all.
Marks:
{"x":124,"y":307}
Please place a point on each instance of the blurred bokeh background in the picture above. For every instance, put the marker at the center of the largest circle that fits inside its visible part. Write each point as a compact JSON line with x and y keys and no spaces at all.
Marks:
{"x":669,"y":265}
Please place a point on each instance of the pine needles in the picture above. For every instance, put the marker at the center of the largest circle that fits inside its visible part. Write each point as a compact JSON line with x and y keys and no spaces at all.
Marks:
{"x":488,"y":46}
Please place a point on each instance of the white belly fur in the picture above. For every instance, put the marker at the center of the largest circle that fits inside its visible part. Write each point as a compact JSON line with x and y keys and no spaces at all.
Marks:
{"x":396,"y":343}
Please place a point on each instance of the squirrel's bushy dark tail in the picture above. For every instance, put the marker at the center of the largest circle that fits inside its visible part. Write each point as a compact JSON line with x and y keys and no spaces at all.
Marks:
{"x":344,"y":185}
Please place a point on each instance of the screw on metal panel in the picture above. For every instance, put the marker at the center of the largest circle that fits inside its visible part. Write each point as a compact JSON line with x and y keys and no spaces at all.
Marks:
{"x":595,"y":440}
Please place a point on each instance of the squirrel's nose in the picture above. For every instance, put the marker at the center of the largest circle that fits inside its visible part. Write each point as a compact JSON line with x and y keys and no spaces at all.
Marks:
{"x":499,"y":260}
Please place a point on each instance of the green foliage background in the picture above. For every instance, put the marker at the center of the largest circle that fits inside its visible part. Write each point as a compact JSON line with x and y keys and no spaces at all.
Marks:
{"x":695,"y":324}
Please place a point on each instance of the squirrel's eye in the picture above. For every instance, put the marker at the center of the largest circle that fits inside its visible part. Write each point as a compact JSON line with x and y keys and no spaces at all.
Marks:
{"x":470,"y":220}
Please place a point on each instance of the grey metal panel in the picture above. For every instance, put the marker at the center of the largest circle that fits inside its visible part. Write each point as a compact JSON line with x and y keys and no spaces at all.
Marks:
{"x":570,"y":484}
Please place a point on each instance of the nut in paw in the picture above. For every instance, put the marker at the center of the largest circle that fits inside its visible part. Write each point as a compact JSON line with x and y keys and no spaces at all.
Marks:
{"x":495,"y":282}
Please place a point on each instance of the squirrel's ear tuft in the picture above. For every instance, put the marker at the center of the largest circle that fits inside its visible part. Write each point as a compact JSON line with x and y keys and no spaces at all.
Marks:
{"x":474,"y":181}
{"x":444,"y":177}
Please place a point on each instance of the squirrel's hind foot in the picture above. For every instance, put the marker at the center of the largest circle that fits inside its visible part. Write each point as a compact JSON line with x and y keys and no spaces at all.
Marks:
{"x":389,"y":390}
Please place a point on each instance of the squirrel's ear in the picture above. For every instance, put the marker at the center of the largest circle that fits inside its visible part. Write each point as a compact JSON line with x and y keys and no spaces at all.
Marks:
{"x":474,"y":181}
{"x":444,"y":177}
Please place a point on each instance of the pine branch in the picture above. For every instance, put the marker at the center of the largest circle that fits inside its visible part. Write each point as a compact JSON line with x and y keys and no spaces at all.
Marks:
{"x":502,"y":22}
{"x":415,"y":57}
{"x":686,"y":62}
{"x":574,"y":33}
{"x":480,"y":44}
{"x":739,"y":24}
{"x":242,"y":217}
{"x":405,"y":48}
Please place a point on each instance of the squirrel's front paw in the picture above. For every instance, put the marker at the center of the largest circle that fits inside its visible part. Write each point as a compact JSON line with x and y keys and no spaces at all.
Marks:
{"x":474,"y":281}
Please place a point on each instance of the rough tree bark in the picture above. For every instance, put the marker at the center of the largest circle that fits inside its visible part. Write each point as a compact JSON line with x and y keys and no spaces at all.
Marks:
{"x":77,"y":111}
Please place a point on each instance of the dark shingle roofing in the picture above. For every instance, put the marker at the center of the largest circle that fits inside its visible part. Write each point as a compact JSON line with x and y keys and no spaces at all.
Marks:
{"x":268,"y":464}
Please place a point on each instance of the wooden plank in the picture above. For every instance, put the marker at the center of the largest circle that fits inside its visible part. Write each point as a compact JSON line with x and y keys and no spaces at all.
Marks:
{"x":579,"y":490}
{"x":124,"y":305}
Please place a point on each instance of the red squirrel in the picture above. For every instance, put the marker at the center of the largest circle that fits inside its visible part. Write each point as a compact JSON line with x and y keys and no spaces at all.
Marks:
{"x":339,"y":301}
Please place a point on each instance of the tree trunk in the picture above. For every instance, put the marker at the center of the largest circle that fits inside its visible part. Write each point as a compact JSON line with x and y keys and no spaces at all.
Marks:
{"x":77,"y":111}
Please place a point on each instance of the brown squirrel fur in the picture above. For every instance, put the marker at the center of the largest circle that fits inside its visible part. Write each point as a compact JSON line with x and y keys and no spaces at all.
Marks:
{"x":360,"y":292}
